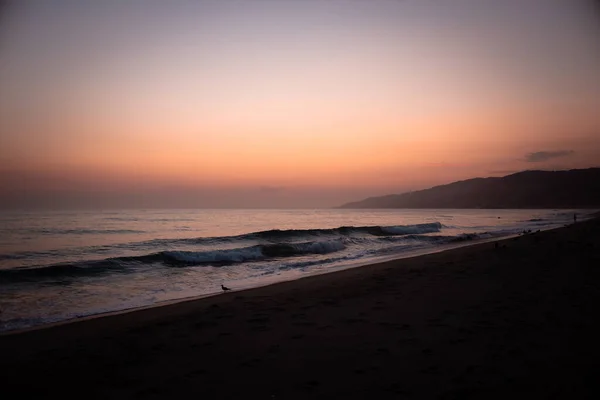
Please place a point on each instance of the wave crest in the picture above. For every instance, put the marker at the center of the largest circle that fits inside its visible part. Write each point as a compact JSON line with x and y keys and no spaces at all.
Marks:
{"x":252,"y":253}
{"x":272,"y":244}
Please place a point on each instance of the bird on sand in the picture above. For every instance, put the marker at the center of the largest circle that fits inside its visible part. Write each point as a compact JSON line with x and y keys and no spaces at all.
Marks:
{"x":225,"y":288}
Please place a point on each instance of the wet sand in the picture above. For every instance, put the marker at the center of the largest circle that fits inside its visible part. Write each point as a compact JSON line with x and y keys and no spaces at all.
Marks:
{"x":492,"y":320}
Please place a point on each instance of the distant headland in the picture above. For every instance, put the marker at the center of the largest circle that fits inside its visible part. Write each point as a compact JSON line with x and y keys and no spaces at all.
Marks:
{"x":577,"y":188}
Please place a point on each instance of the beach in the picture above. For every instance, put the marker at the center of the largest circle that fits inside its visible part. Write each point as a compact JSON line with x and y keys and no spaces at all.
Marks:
{"x":496,"y":319}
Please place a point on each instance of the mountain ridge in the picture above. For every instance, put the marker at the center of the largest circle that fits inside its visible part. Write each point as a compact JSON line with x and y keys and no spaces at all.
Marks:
{"x":576,"y":188}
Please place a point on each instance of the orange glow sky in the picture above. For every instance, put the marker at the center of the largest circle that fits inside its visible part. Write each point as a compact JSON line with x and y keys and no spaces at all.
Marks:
{"x":288,"y":103}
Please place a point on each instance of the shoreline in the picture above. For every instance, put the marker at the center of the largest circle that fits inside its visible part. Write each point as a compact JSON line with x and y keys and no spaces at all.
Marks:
{"x":30,"y":319}
{"x":352,"y":265}
{"x":482,"y":320}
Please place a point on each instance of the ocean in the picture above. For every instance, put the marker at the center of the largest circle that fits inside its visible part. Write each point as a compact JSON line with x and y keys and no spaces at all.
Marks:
{"x":62,"y":265}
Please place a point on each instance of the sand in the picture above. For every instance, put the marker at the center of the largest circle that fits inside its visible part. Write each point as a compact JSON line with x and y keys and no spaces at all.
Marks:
{"x":475,"y":322}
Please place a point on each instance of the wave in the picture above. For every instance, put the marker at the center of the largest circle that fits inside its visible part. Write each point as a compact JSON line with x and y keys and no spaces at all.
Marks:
{"x":172,"y":259}
{"x":61,"y":271}
{"x":277,"y":235}
{"x":348,"y":231}
{"x":272,"y":245}
{"x":239,"y":255}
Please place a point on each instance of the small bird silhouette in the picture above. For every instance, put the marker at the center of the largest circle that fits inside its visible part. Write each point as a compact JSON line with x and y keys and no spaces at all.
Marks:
{"x":225,"y":288}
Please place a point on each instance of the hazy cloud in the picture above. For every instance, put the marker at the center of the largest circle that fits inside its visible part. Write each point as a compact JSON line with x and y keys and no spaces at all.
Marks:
{"x":540,"y":156}
{"x":271,"y":189}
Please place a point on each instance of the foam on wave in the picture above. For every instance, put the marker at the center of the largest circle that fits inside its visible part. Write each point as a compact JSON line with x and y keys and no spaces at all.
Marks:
{"x":277,"y":235}
{"x":173,"y":258}
{"x":253,"y":253}
{"x":273,"y":244}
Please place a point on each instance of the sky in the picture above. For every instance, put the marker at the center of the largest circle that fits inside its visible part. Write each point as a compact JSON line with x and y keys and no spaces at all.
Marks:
{"x":288,"y":103}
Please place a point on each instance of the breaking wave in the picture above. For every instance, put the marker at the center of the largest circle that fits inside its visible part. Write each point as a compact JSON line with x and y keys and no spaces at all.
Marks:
{"x":253,"y":253}
{"x":174,"y":259}
{"x":277,"y":235}
{"x":272,"y":245}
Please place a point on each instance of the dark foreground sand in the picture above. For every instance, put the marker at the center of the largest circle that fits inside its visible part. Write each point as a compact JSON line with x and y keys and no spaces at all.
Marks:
{"x":475,"y":322}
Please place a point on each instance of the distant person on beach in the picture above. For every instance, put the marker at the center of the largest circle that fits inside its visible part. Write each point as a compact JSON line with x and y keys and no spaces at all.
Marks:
{"x":574,"y":217}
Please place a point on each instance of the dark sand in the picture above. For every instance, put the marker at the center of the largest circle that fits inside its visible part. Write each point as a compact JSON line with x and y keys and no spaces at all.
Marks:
{"x":475,"y":322}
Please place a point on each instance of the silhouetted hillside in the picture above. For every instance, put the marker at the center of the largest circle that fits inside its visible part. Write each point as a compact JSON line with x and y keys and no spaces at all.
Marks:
{"x":579,"y":188}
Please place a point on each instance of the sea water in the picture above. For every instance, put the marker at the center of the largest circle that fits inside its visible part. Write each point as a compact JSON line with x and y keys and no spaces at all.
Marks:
{"x":62,"y":265}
